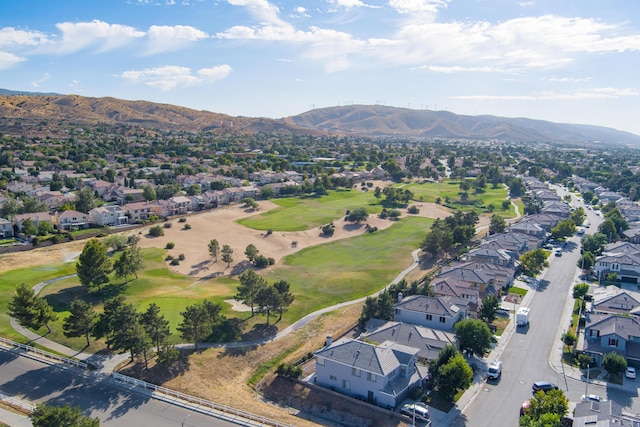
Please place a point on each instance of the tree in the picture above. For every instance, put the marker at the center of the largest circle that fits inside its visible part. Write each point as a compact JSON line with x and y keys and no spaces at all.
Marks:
{"x":497,"y":224}
{"x":29,"y":309}
{"x":250,"y":286}
{"x":546,"y":409}
{"x":130,"y":262}
{"x":93,"y":265}
{"x":227,"y":254}
{"x":490,"y":305}
{"x":198,"y":321}
{"x":454,"y":375}
{"x":85,"y":200}
{"x":156,"y":326}
{"x":251,"y":252}
{"x":148,"y":193}
{"x":286,"y":297}
{"x":614,"y":363}
{"x":608,"y":228}
{"x":357,"y":215}
{"x":534,"y":261}
{"x":594,"y":243}
{"x":377,"y":193}
{"x":214,"y":248}
{"x":586,"y":261}
{"x":104,"y":327}
{"x":28,"y":227}
{"x":565,"y":228}
{"x":473,"y":335}
{"x":59,"y":416}
{"x":128,"y":332}
{"x":580,"y":290}
{"x":267,"y":300}
{"x":81,"y":321}
{"x":45,"y":228}
{"x":569,"y":338}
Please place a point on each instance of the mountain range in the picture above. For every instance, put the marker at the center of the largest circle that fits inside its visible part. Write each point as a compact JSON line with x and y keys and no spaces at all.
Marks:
{"x":16,"y":108}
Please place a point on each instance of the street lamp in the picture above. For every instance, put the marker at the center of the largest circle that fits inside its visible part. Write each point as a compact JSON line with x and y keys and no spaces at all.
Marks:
{"x":185,"y":419}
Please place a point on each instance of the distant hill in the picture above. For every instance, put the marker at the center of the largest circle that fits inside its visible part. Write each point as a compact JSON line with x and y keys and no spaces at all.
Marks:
{"x":378,"y":120}
{"x":85,"y":111}
{"x":18,"y":108}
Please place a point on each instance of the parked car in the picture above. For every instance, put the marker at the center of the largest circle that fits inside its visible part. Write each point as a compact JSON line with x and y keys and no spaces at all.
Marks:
{"x":543,"y":386}
{"x":419,"y":411}
{"x":592,"y":398}
{"x":630,"y":372}
{"x":558,"y":252}
{"x":495,"y":370}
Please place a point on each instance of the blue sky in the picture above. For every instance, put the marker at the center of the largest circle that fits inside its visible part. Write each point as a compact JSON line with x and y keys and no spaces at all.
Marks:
{"x":564,"y":61}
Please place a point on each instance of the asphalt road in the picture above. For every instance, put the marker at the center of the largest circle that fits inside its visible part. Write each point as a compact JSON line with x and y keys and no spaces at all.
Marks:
{"x":38,"y":382}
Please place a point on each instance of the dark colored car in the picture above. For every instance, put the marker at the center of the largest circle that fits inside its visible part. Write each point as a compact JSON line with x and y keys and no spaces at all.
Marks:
{"x":543,"y":386}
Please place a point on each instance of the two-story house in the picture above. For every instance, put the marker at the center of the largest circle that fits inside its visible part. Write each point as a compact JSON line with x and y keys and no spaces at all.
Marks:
{"x":381,"y":374}
{"x":612,"y":333}
{"x":6,"y":228}
{"x":69,"y":220}
{"x":438,"y":313}
{"x":108,"y":215}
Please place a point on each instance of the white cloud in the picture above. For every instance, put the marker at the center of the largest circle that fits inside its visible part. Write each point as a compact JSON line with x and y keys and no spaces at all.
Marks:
{"x":8,"y":60}
{"x":348,"y":4}
{"x":167,"y":38}
{"x":214,"y":74}
{"x":262,"y":10}
{"x":170,"y":76}
{"x":418,"y":6}
{"x":10,"y":37}
{"x":458,"y":69}
{"x":42,"y":79}
{"x":77,"y":36}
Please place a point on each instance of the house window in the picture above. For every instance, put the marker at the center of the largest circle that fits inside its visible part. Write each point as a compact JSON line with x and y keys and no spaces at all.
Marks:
{"x":429,"y":317}
{"x":320,"y":361}
{"x":371,"y":377}
{"x":613,"y":342}
{"x":442,"y":319}
{"x":355,"y":372}
{"x":346,"y":385}
{"x":397,"y":311}
{"x":332,"y":377}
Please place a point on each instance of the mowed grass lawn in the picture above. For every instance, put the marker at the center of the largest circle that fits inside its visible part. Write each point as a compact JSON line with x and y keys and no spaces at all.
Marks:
{"x":348,"y":269}
{"x":303,"y":213}
{"x":429,"y":191}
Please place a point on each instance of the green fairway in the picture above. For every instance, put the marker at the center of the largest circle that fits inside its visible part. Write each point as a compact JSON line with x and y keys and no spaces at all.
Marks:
{"x":351,"y":268}
{"x":297,"y":214}
{"x":449,"y":190}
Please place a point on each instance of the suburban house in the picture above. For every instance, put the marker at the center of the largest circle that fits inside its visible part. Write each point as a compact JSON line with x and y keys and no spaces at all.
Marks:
{"x":632,"y":234}
{"x":515,"y":244}
{"x":490,"y":256}
{"x":142,"y":211}
{"x":612,"y":333}
{"x":35,"y":217}
{"x":438,"y":313}
{"x":602,"y":414}
{"x":108,"y":215}
{"x":428,"y":341}
{"x":488,"y":278}
{"x":622,"y":259}
{"x":528,"y":227}
{"x":613,"y":300}
{"x":381,"y":374}
{"x":70,"y":220}
{"x":6,"y":228}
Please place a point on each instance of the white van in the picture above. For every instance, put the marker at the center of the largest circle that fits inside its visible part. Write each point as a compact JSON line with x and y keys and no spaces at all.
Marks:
{"x":495,"y":370}
{"x":415,"y":411}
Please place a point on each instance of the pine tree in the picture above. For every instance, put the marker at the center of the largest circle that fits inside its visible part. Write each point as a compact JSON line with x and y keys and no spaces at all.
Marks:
{"x":30,"y":310}
{"x":156,"y":325}
{"x":81,"y":321}
{"x":93,"y":265}
{"x":227,"y":253}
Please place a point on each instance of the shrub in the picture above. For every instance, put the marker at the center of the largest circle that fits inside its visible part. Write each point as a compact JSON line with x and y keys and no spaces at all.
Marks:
{"x":394,"y":213}
{"x":168,"y":258}
{"x":183,"y":219}
{"x":181,"y":257}
{"x":175,"y":261}
{"x":167,"y":225}
{"x":272,"y":261}
{"x":413,"y":209}
{"x":170,"y":245}
{"x":269,"y":232}
{"x":288,"y":370}
{"x":187,"y":226}
{"x":328,"y":230}
{"x":261,"y":261}
{"x":156,"y":231}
